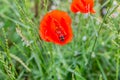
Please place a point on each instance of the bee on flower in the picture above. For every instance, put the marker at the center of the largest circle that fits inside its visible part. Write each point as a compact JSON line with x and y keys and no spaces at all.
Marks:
{"x":56,"y":27}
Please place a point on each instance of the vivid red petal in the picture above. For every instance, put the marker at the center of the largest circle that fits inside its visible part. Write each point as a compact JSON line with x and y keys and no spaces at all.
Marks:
{"x":53,"y":28}
{"x":83,"y":6}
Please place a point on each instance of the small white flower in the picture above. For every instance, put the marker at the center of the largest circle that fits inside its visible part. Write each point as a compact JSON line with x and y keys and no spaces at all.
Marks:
{"x":77,"y":19}
{"x":103,"y":43}
{"x":114,"y":3}
{"x":86,"y":15}
{"x":70,"y":1}
{"x":84,"y":38}
{"x":53,"y":7}
{"x":1,"y":24}
{"x":93,"y":55}
{"x":104,"y":11}
{"x":56,"y":2}
{"x":114,"y":15}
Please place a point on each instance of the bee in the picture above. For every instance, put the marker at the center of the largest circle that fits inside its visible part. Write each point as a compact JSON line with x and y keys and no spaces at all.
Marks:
{"x":60,"y":34}
{"x":62,"y":38}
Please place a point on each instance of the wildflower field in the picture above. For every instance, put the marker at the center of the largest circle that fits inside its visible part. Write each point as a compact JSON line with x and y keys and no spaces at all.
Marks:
{"x":59,"y":39}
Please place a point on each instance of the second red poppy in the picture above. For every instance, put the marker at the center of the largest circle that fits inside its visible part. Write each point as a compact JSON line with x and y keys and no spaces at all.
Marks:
{"x":83,"y":6}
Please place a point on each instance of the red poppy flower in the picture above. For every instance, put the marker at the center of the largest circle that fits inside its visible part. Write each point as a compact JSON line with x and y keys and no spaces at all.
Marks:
{"x":56,"y":27}
{"x":83,"y":6}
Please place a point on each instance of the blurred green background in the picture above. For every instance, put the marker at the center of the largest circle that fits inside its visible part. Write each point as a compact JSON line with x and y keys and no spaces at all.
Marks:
{"x":93,"y":54}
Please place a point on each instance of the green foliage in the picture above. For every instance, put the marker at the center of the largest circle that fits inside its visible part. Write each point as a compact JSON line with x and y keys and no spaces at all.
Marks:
{"x":93,"y":54}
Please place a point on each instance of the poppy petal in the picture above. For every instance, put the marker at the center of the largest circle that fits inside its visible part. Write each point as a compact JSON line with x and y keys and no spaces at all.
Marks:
{"x":83,"y":6}
{"x":56,"y":27}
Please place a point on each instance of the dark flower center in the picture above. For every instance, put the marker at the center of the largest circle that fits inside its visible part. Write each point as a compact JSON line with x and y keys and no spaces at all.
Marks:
{"x":60,"y":34}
